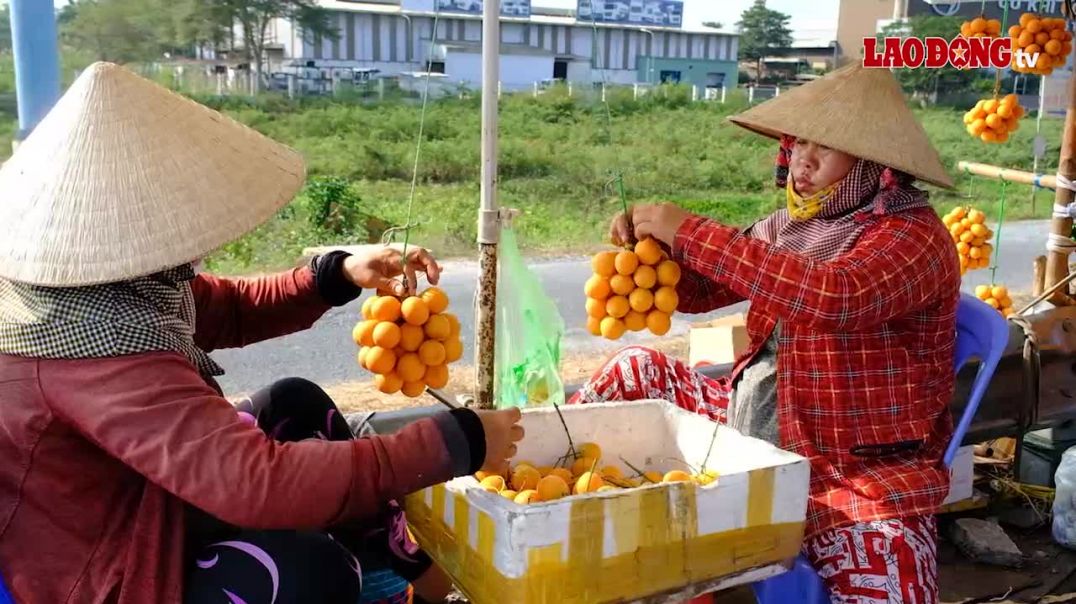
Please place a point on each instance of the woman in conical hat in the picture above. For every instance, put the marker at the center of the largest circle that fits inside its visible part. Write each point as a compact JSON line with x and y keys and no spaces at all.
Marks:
{"x":853,"y":290}
{"x":126,"y":477}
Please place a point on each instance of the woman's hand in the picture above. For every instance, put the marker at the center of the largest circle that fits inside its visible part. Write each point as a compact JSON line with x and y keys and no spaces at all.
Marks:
{"x":502,"y":433}
{"x":660,"y":221}
{"x":381,"y":270}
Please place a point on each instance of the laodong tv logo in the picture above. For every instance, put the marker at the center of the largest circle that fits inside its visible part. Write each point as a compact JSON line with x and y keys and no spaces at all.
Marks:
{"x":937,"y":52}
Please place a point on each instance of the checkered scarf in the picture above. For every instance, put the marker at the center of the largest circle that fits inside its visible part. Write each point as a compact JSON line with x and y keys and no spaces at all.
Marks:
{"x":869,"y":190}
{"x":149,"y":314}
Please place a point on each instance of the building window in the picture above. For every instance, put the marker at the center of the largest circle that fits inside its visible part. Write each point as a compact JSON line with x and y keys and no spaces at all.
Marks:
{"x":715,"y":80}
{"x":437,"y":66}
{"x":670,"y":77}
{"x":560,"y":70}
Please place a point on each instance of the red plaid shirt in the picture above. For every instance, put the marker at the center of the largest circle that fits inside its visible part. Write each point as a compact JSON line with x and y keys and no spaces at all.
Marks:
{"x":865,"y":355}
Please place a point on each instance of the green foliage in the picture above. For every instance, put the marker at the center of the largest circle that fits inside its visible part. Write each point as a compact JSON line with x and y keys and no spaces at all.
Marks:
{"x":928,"y":81}
{"x":761,"y":30}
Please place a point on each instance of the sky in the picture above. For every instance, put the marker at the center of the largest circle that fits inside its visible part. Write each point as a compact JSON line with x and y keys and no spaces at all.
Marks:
{"x":810,"y":18}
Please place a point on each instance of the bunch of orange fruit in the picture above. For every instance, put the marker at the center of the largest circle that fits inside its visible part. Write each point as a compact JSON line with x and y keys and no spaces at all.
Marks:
{"x":408,"y":343}
{"x":980,"y":27}
{"x":526,"y":483}
{"x":967,"y":226}
{"x":632,"y":290}
{"x":1046,"y":37}
{"x":996,"y":296}
{"x":992,"y":120}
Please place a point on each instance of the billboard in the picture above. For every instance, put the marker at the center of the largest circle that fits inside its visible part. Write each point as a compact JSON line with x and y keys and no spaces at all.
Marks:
{"x":509,"y":8}
{"x":659,"y":13}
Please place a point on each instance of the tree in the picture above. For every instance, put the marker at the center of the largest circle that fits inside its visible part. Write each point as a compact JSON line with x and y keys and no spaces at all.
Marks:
{"x":930,"y":81}
{"x":762,"y":29}
{"x":253,"y":18}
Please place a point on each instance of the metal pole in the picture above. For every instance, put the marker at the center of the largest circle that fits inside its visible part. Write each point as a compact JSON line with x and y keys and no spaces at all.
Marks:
{"x":489,"y":224}
{"x":1057,"y":260}
{"x":37,"y":60}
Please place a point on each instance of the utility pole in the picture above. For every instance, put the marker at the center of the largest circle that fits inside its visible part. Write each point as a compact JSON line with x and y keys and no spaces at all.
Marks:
{"x":37,"y":60}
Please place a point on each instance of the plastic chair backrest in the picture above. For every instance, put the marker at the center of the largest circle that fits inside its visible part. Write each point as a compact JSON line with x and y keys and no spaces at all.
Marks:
{"x":983,"y":333}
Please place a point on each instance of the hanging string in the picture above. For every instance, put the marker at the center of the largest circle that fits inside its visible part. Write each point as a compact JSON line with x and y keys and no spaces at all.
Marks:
{"x":618,"y":175}
{"x":408,"y":223}
{"x":997,"y":236}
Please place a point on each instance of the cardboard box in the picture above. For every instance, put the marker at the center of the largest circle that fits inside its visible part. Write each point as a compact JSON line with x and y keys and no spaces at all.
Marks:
{"x":718,"y":342}
{"x":663,"y":542}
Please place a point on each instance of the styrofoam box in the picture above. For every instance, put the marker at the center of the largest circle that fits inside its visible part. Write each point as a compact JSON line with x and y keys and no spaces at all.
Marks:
{"x":961,"y":476}
{"x":653,"y":543}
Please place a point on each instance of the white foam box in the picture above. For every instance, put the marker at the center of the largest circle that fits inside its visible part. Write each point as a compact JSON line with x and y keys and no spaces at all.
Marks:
{"x":655,"y":543}
{"x":961,"y":476}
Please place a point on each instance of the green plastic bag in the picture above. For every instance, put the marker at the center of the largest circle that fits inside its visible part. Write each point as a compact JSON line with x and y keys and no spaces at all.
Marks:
{"x":529,"y":330}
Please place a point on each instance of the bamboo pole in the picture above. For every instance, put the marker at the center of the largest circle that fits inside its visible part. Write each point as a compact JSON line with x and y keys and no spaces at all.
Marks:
{"x":488,"y":215}
{"x":1057,"y":259}
{"x":1045,"y":181}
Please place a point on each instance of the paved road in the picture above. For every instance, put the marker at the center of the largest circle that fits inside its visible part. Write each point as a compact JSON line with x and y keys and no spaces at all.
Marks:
{"x":326,"y":354}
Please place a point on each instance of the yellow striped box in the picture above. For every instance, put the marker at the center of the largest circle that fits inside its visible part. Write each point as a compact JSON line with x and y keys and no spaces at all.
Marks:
{"x":655,"y":543}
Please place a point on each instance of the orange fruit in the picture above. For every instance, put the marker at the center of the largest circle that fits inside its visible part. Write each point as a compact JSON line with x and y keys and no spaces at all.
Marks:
{"x":1035,"y":49}
{"x":982,"y":292}
{"x":509,"y":494}
{"x":1034,"y":26}
{"x":604,"y":264}
{"x":386,"y":335}
{"x":438,"y":328}
{"x":965,"y":29}
{"x":596,"y":309}
{"x":1001,"y":137}
{"x":621,"y":285}
{"x":626,"y":262}
{"x":410,"y":368}
{"x":959,"y":212}
{"x":645,"y":277}
{"x":411,"y":337}
{"x":1005,"y":111}
{"x":956,"y":229}
{"x":368,"y":308}
{"x":589,"y":482}
{"x":612,"y":329}
{"x":389,"y":383}
{"x":381,"y":360}
{"x":386,"y":308}
{"x":962,"y":248}
{"x":1053,"y":47}
{"x":363,"y":334}
{"x":993,"y":302}
{"x":437,"y":376}
{"x":676,"y":476}
{"x":552,"y":488}
{"x":652,"y":477}
{"x":528,"y":496}
{"x":975,"y":253}
{"x":633,"y":321}
{"x":1015,"y":31}
{"x":617,"y":307}
{"x":989,"y":136}
{"x":668,"y":273}
{"x":1026,"y":18}
{"x":362,"y":356}
{"x":594,"y":326}
{"x":432,"y":353}
{"x":525,"y":478}
{"x":666,"y":300}
{"x":976,"y":217}
{"x":597,"y":287}
{"x":978,"y":230}
{"x":649,"y":251}
{"x":641,"y":300}
{"x":482,"y":475}
{"x":591,"y":450}
{"x":990,"y":106}
{"x":436,"y":300}
{"x":976,"y":128}
{"x":611,"y":472}
{"x":413,"y":389}
{"x":453,"y":324}
{"x":967,"y":237}
{"x":563,"y":473}
{"x":977,"y":25}
{"x":993,"y":27}
{"x":658,"y":323}
{"x":583,"y":465}
{"x":994,"y":120}
{"x":998,"y":291}
{"x":495,"y":482}
{"x":1058,"y":33}
{"x":453,"y":350}
{"x":415,"y":311}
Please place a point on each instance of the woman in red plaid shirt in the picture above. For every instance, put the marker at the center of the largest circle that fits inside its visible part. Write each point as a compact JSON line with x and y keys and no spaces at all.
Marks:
{"x":853,"y":290}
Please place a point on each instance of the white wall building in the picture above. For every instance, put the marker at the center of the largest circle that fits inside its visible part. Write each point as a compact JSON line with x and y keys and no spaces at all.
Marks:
{"x":539,"y":45}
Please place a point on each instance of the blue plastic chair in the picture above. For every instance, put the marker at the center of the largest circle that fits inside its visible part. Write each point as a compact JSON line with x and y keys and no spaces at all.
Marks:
{"x":980,"y":332}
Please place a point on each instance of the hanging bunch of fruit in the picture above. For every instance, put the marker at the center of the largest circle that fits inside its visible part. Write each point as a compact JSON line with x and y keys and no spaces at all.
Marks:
{"x":408,"y":343}
{"x":968,"y":228}
{"x":996,"y":296}
{"x":1044,"y":41}
{"x":980,"y":27}
{"x":992,"y":120}
{"x":632,"y":291}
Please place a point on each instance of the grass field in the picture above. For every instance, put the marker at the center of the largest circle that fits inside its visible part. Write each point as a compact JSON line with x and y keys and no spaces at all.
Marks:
{"x":558,"y":158}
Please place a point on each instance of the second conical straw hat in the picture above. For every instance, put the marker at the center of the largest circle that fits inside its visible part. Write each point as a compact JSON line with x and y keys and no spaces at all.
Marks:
{"x":124,"y":178}
{"x":856,"y":110}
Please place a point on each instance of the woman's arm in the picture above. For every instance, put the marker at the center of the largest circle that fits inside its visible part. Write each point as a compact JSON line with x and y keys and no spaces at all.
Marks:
{"x":699,"y":294}
{"x":156,"y":415}
{"x":900,"y":264}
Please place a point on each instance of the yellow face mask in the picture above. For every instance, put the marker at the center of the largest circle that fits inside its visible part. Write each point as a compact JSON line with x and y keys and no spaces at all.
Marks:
{"x":805,"y":208}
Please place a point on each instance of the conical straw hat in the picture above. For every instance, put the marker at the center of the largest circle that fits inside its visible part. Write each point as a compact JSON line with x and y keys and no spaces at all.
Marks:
{"x":855,"y":110}
{"x":124,"y":178}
